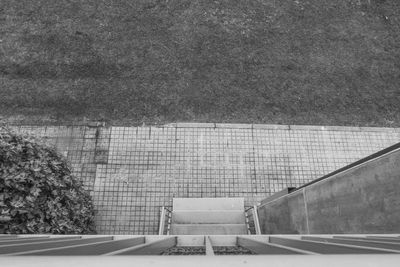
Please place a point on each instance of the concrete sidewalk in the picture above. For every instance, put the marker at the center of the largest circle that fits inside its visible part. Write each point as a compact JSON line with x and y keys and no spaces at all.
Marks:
{"x":132,"y":171}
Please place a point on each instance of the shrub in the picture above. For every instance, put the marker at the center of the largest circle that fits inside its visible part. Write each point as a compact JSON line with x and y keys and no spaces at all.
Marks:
{"x":38,"y":193}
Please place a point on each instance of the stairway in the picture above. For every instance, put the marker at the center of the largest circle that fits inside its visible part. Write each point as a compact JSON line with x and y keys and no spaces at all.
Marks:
{"x":208,"y":216}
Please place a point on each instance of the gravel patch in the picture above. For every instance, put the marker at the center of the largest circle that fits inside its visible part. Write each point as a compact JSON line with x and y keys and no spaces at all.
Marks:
{"x":232,"y":251}
{"x":185,"y":251}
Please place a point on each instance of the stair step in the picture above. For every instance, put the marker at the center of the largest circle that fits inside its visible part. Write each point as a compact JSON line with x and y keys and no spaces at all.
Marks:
{"x":208,"y":229}
{"x":203,"y":204}
{"x":211,"y":217}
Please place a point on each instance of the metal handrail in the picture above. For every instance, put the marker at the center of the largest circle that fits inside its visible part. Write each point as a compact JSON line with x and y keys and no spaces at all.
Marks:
{"x":164,"y":214}
{"x":162,"y":221}
{"x":256,"y":221}
{"x":249,"y":208}
{"x":167,"y":209}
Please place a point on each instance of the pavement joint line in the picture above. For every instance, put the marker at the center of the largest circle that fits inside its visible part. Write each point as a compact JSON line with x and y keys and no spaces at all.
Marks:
{"x":195,"y":125}
{"x":234,"y":126}
{"x":262,"y":126}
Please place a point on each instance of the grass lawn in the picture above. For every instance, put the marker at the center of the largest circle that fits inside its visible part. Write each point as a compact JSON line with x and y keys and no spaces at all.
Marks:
{"x":240,"y":61}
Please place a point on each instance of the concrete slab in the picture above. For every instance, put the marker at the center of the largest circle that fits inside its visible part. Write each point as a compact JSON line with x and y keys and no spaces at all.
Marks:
{"x":208,"y":204}
{"x":208,"y":229}
{"x":217,"y":216}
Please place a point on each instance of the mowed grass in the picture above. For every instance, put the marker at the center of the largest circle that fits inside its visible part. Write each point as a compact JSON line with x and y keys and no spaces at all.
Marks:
{"x":248,"y":61}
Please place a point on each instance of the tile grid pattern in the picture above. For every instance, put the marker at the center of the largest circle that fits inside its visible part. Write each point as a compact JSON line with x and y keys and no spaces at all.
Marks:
{"x":132,"y":171}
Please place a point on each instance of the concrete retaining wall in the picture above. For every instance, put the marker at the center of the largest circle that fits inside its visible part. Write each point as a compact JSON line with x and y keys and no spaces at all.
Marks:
{"x":363,"y":199}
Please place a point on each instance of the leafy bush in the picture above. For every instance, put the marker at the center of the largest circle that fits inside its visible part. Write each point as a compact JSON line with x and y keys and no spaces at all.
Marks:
{"x":38,"y":193}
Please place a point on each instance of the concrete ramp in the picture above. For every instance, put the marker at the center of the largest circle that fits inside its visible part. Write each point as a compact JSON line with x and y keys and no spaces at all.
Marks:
{"x":208,"y":216}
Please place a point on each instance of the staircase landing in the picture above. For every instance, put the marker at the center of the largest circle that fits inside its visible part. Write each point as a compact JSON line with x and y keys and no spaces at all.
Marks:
{"x":208,"y":216}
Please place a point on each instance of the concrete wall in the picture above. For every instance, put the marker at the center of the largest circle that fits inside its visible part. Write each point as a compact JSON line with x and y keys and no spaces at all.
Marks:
{"x":363,"y":199}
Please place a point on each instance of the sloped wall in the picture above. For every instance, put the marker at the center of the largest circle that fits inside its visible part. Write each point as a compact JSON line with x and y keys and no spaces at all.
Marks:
{"x":363,"y":199}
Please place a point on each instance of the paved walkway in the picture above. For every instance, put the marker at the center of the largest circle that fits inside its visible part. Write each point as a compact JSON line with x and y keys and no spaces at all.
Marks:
{"x":132,"y":171}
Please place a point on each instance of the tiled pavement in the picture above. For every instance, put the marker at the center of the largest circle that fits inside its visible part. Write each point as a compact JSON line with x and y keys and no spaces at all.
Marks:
{"x":132,"y":171}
